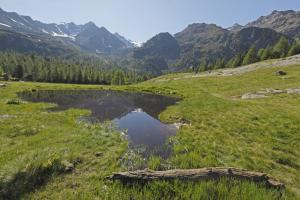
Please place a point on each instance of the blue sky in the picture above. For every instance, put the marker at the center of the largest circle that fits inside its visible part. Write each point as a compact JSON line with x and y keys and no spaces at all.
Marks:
{"x":141,"y":19}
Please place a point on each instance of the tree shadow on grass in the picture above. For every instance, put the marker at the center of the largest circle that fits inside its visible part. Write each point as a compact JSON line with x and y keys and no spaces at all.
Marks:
{"x":25,"y":182}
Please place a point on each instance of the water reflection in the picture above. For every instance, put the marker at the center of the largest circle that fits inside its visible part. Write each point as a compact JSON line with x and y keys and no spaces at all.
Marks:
{"x":134,"y":113}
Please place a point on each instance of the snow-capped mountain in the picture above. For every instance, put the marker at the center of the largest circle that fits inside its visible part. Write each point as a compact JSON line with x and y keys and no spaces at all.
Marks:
{"x":88,"y":36}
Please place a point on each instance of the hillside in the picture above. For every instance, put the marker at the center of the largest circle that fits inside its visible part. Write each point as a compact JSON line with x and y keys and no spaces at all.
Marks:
{"x":99,"y":40}
{"x":87,"y":37}
{"x":162,"y":45}
{"x":202,"y":40}
{"x":39,"y":44}
{"x":206,"y":43}
{"x":286,"y":22}
{"x":210,"y":42}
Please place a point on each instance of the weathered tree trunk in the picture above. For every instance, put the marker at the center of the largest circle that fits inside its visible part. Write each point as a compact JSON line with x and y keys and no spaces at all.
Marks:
{"x":197,"y":174}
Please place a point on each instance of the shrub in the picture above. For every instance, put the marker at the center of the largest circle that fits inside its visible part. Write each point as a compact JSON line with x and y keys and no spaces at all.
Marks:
{"x":14,"y":102}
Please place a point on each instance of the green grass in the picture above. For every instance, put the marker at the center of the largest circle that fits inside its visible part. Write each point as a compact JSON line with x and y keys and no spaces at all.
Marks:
{"x":223,"y":189}
{"x":223,"y":130}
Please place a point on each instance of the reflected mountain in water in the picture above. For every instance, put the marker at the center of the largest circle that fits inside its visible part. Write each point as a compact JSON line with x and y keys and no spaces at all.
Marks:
{"x":134,"y":113}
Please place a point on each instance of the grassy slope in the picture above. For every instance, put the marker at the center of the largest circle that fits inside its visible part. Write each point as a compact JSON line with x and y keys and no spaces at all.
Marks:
{"x":261,"y":134}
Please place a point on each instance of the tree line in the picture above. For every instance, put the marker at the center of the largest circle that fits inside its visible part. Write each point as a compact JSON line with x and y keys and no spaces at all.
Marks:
{"x":280,"y":50}
{"x":32,"y":67}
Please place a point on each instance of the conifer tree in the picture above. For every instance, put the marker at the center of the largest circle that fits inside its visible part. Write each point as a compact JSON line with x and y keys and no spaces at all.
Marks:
{"x":238,"y":60}
{"x":250,"y":57}
{"x":19,"y":72}
{"x":260,"y":53}
{"x":295,"y":49}
{"x":281,"y":49}
{"x":49,"y":69}
{"x":267,"y":53}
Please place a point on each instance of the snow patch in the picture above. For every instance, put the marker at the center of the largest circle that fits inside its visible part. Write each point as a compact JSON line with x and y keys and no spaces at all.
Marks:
{"x":136,"y":44}
{"x":17,"y":22}
{"x":63,"y":35}
{"x":74,"y":34}
{"x":139,"y":110}
{"x":44,"y":31}
{"x":5,"y":25}
{"x":98,"y":51}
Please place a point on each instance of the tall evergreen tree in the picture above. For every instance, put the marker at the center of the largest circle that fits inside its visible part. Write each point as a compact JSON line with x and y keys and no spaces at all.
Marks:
{"x":80,"y":77}
{"x":281,"y":49}
{"x":203,"y":66}
{"x":250,"y":57}
{"x":238,"y":60}
{"x":118,"y":78}
{"x":19,"y":72}
{"x":260,"y":53}
{"x":295,"y":49}
{"x":48,"y":69}
{"x":267,"y":53}
{"x":220,"y":63}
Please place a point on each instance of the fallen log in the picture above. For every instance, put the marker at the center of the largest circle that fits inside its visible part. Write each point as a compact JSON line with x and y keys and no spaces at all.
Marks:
{"x":197,"y":174}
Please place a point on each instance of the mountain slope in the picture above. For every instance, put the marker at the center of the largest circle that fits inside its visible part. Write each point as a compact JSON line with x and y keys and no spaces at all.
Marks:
{"x":31,"y":43}
{"x":199,"y":40}
{"x":242,"y":40}
{"x":27,"y":24}
{"x":210,"y":42}
{"x":128,"y":43}
{"x":286,"y":22}
{"x":100,"y":40}
{"x":88,"y":37}
{"x":162,"y":45}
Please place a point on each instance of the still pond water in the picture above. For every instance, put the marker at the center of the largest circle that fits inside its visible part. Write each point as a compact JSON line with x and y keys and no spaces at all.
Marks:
{"x":136,"y":114}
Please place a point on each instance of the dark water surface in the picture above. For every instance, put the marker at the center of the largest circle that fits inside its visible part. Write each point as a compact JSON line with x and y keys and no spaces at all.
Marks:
{"x":134,"y":113}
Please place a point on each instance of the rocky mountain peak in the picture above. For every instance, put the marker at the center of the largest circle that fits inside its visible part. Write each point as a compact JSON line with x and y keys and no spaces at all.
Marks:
{"x":286,"y":22}
{"x":235,"y":27}
{"x":88,"y":36}
{"x":90,"y":24}
{"x":161,"y":45}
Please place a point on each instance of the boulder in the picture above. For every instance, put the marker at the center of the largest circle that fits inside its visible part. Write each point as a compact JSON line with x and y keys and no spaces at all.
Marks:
{"x":274,"y":91}
{"x":281,"y":73}
{"x":253,"y":96}
{"x":68,"y":167}
{"x":293,"y":91}
{"x":98,"y":154}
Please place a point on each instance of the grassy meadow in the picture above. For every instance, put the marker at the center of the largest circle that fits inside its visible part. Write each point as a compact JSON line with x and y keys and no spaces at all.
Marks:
{"x":220,"y":129}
